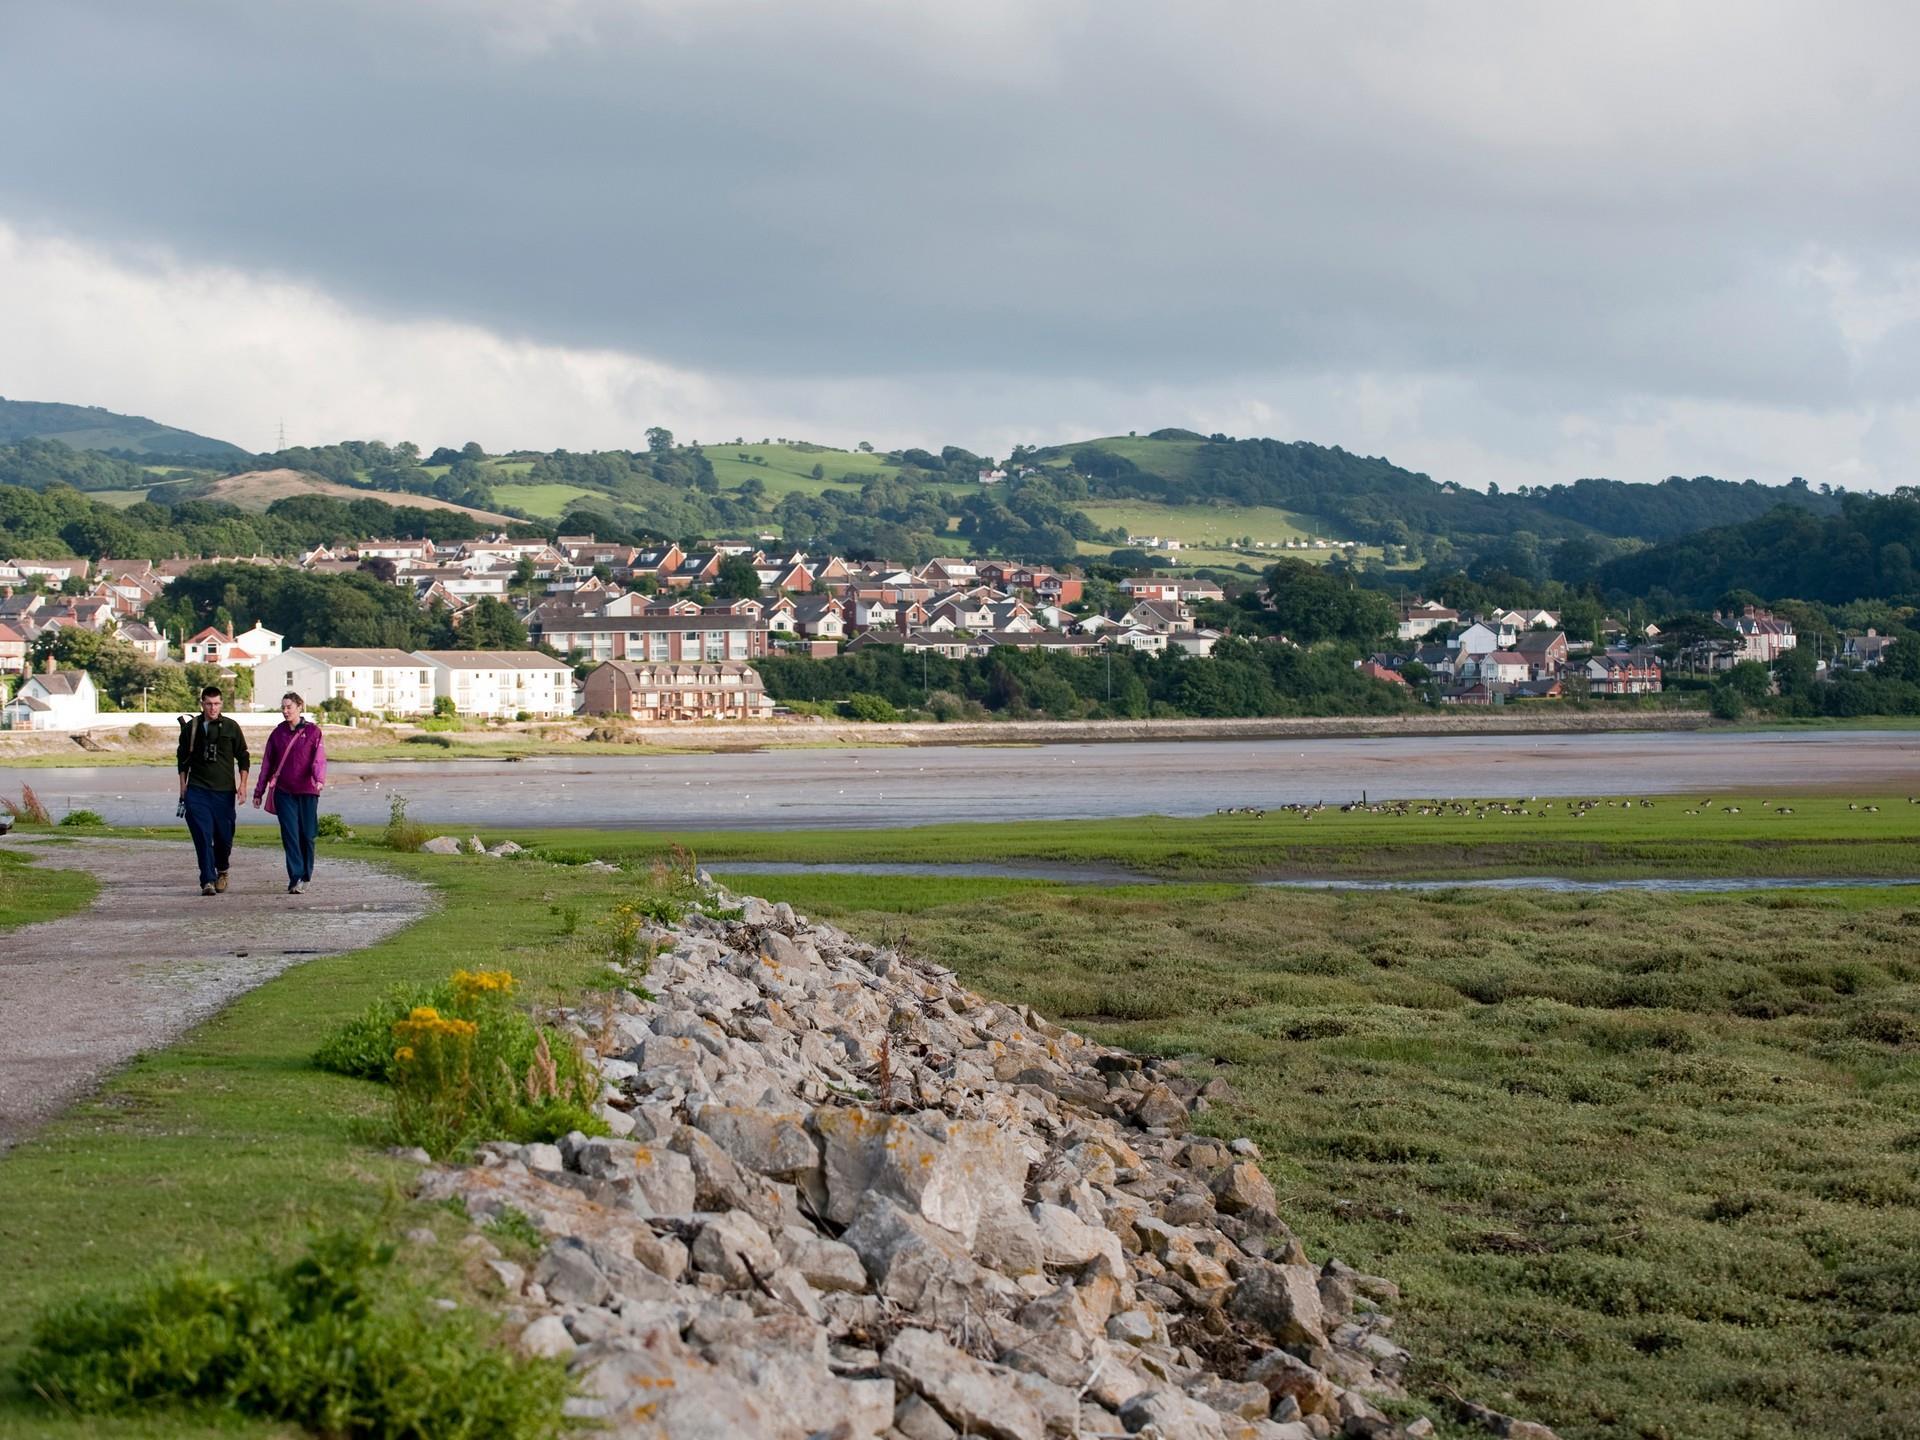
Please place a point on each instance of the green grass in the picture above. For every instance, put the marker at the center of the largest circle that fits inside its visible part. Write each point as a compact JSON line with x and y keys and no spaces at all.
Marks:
{"x":1175,"y":459}
{"x":1201,"y":524}
{"x":1823,"y":837}
{"x":787,"y":469}
{"x":231,"y":1142}
{"x":1643,"y":1167}
{"x":548,"y":502}
{"x":30,"y":893}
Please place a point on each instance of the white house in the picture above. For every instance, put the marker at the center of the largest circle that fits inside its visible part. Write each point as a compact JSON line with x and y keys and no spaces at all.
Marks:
{"x":258,"y":643}
{"x":1195,"y":642}
{"x":1497,"y":666}
{"x":1476,"y":639}
{"x":58,"y":700}
{"x":385,"y":682}
{"x":501,"y":683}
{"x":1153,"y":642}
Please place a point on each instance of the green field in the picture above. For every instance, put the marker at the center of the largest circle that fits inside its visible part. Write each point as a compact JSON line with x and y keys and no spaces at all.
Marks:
{"x":1212,"y":525}
{"x":1645,"y":1168}
{"x":547,"y":502}
{"x":1823,"y":837}
{"x":1173,"y":459}
{"x":786,"y":469}
{"x":119,"y":499}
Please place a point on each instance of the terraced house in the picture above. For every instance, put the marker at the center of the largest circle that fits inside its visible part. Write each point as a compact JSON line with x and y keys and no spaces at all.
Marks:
{"x":676,"y":691}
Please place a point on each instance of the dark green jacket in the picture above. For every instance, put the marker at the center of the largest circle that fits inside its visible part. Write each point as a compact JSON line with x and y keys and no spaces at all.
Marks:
{"x":210,"y":751}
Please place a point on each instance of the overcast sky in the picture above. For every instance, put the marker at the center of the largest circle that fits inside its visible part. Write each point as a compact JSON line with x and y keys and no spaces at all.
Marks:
{"x":1521,"y":243}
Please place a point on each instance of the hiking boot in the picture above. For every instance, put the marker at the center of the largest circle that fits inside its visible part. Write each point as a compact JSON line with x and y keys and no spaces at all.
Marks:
{"x":220,"y":882}
{"x":206,"y":889}
{"x":293,"y":887}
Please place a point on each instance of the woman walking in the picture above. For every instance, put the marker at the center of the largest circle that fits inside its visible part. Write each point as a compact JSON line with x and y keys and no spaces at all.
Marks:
{"x":293,"y":771}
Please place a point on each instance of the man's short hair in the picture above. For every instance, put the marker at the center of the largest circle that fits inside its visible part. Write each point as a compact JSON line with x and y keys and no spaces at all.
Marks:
{"x":211,"y":692}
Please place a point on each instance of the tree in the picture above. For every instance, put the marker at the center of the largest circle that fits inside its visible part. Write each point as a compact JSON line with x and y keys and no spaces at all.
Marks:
{"x":489,"y":625}
{"x":1309,"y":606}
{"x":659,"y":440}
{"x":737,"y":580}
{"x":1749,"y":680}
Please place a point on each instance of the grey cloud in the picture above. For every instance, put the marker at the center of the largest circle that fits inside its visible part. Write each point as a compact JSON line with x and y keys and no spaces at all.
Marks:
{"x":1118,"y":194}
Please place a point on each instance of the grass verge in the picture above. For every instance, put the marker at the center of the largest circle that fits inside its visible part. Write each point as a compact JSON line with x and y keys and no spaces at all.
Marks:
{"x":1647,"y":1168}
{"x":30,"y":893}
{"x":231,"y":1142}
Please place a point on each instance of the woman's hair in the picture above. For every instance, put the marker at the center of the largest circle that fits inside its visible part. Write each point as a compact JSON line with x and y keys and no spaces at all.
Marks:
{"x":293,"y":696}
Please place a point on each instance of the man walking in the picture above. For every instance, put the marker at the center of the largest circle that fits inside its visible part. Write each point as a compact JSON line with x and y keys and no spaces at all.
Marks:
{"x":212,"y":747}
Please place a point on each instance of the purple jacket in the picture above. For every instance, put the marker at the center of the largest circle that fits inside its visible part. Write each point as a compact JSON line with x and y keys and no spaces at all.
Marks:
{"x":295,"y":760}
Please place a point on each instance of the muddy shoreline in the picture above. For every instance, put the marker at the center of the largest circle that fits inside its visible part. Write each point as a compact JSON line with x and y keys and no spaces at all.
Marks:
{"x":560,"y":738}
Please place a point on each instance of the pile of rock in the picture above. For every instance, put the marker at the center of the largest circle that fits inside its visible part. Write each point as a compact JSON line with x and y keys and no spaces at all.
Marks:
{"x":850,"y":1198}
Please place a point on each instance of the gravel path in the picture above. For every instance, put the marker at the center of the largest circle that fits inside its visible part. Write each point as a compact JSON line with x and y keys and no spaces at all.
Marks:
{"x":151,"y":958}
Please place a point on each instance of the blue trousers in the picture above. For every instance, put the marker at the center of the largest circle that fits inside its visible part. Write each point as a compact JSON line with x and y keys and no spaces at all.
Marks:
{"x":210,"y":816}
{"x":299,"y":817}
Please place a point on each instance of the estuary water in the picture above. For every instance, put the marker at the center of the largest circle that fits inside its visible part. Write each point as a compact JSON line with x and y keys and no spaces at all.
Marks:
{"x":932,"y":785}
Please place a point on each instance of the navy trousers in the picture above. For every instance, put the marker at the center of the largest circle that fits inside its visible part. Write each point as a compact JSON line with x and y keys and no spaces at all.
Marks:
{"x":299,"y":817}
{"x":210,"y":816}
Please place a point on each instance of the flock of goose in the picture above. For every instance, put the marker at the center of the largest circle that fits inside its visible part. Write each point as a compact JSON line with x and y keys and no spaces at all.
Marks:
{"x":1481,"y":809}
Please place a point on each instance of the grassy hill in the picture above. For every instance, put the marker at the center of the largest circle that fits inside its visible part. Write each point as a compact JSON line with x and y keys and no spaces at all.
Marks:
{"x":257,"y":489}
{"x":785,"y":469}
{"x":88,"y":427}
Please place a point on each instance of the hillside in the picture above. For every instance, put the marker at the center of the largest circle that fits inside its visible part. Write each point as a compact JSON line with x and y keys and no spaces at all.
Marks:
{"x":88,"y":427}
{"x":257,"y":489}
{"x":1370,"y":498}
{"x":1867,"y":550}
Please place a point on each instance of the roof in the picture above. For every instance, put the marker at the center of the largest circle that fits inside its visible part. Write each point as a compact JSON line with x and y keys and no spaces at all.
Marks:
{"x":1539,"y":640}
{"x":355,"y":658}
{"x":492,"y":659}
{"x":1506,"y":657}
{"x":59,"y":682}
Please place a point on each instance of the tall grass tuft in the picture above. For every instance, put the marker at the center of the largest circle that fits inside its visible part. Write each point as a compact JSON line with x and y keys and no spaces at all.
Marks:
{"x":401,"y":833}
{"x":27,"y":809}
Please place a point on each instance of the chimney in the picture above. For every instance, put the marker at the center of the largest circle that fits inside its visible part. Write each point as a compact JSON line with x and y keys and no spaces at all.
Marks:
{"x":49,"y":665}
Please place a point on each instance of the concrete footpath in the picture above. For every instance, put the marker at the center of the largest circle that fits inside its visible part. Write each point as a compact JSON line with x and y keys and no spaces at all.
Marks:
{"x":152,"y":957}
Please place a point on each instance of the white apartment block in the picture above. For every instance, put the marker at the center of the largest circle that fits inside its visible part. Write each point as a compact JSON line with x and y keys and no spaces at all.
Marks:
{"x":381,"y":682}
{"x":489,"y":684}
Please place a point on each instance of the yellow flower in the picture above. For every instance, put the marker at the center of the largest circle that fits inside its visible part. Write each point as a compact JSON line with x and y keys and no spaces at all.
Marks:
{"x":470,"y":985}
{"x":404,"y":1053}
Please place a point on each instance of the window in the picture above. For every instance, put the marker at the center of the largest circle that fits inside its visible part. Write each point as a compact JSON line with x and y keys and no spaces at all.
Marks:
{"x":659,"y":645}
{"x":737,"y":644}
{"x":716,"y":645}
